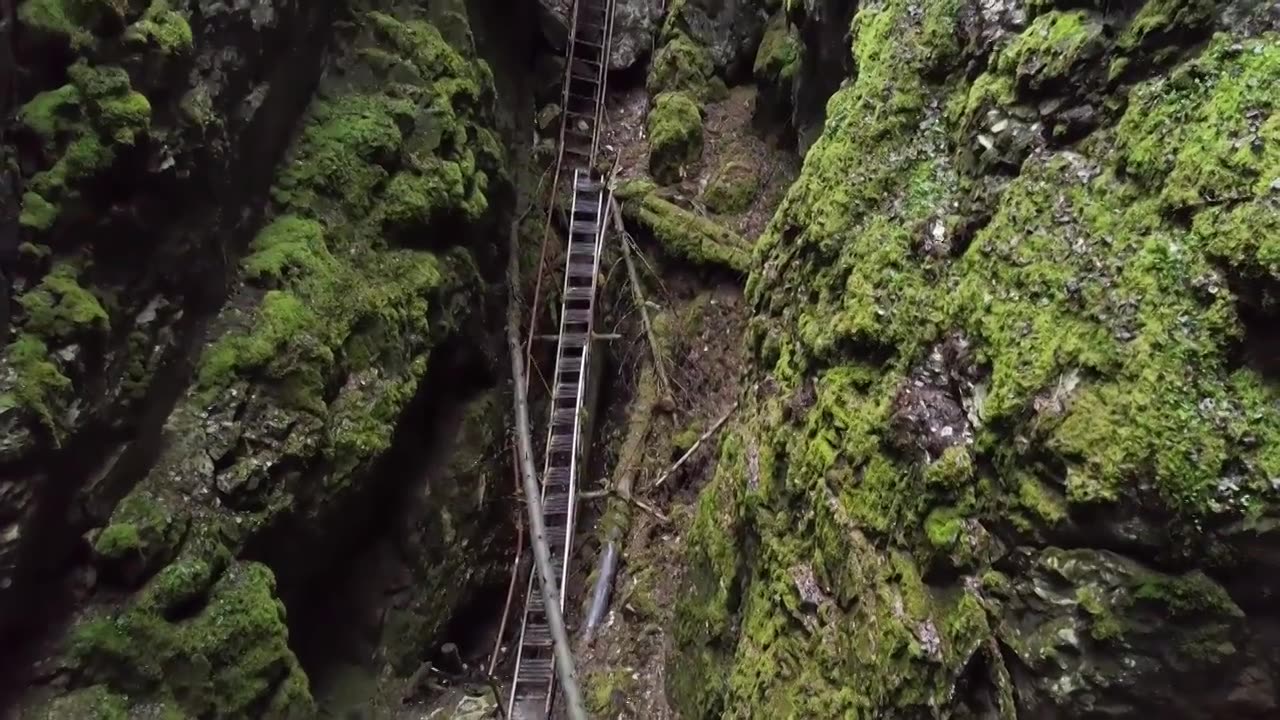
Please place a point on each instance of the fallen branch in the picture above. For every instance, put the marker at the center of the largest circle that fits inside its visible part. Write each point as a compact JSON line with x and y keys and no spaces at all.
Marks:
{"x":693,"y":448}
{"x":628,"y":462}
{"x":599,"y":494}
{"x":664,"y":387}
{"x":533,"y":500}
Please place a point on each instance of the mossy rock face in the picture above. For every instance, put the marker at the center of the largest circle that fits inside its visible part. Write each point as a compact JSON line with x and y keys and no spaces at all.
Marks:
{"x":732,"y":188}
{"x":231,"y":659}
{"x":972,"y":381}
{"x":351,"y":302}
{"x":675,"y":136}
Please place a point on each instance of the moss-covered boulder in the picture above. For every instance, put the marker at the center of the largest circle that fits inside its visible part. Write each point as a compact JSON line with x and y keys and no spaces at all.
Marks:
{"x":732,"y":188}
{"x":681,"y":66}
{"x":1011,"y":446}
{"x":218,"y":650}
{"x":776,"y":68}
{"x":675,"y":136}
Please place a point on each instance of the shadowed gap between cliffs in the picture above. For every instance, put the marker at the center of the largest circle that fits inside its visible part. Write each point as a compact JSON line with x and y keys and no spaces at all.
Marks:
{"x":341,"y":571}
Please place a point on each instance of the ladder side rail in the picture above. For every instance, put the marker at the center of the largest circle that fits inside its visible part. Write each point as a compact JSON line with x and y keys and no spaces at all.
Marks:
{"x":603,"y":76}
{"x":575,"y":452}
{"x":533,"y":579}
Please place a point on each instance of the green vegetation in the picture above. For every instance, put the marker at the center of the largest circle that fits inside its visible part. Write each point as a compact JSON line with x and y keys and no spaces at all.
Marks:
{"x":1097,"y":316}
{"x":59,"y":308}
{"x":1054,"y":44}
{"x":687,"y":236}
{"x":732,"y":188}
{"x":778,"y":57}
{"x":230,"y":660}
{"x":141,"y":529}
{"x":675,"y":136}
{"x":681,"y":65}
{"x":1189,"y":137}
{"x":39,"y":386}
{"x":81,"y":124}
{"x":162,"y":27}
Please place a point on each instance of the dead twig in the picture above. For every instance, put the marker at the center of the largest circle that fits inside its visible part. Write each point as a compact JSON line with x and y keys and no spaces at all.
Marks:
{"x":693,"y":448}
{"x":610,"y":492}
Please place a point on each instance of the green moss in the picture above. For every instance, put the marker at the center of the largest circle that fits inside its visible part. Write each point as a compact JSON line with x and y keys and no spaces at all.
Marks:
{"x":732,"y":189}
{"x":675,"y":136}
{"x":289,"y":245}
{"x":39,"y":386}
{"x":1161,"y":20}
{"x":69,"y":18}
{"x":1043,"y":505}
{"x":952,"y":470}
{"x":778,"y":57}
{"x":143,"y":529}
{"x":343,"y":152}
{"x":606,"y":691}
{"x":91,"y":703}
{"x":118,"y":113}
{"x":1188,"y":596}
{"x":943,"y":528}
{"x":59,"y":308}
{"x":162,"y":27}
{"x":1188,"y":137}
{"x":1103,"y":623}
{"x":290,"y":342}
{"x":118,"y":541}
{"x":229,"y":660}
{"x":37,"y":213}
{"x":680,"y":65}
{"x":84,"y":120}
{"x":1051,"y":47}
{"x":1246,"y":235}
{"x":53,"y":113}
{"x":687,"y":236}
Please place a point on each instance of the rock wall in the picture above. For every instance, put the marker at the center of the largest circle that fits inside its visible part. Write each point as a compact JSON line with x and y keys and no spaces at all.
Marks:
{"x":1013,"y":443}
{"x":249,"y":402}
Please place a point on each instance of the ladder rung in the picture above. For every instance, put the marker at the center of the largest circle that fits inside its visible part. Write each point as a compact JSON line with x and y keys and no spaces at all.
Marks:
{"x":566,"y":391}
{"x":578,"y":293}
{"x":536,"y":670}
{"x":585,"y":227}
{"x":556,"y":504}
{"x":573,"y":340}
{"x":563,"y":416}
{"x":561,"y":443}
{"x":570,"y":363}
{"x":583,"y":182}
{"x":584,"y":270}
{"x":574,"y":315}
{"x":538,"y":636}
